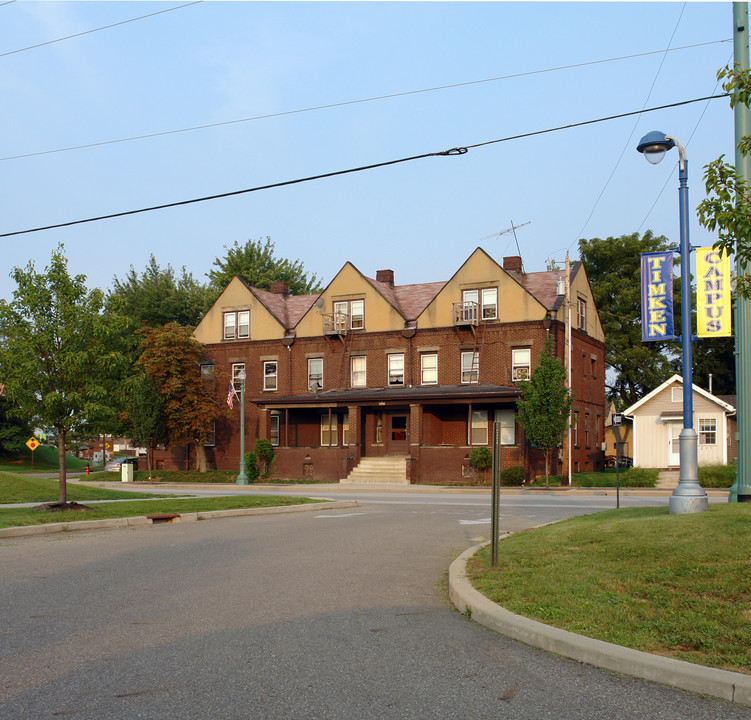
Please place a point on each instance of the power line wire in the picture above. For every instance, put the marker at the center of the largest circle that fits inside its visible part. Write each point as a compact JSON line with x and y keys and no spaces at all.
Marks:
{"x":93,"y":30}
{"x":631,"y":134}
{"x":453,"y":151}
{"x":350,"y":102}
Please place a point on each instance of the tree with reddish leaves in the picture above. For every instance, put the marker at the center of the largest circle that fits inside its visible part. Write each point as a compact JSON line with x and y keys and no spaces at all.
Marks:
{"x":172,"y":358}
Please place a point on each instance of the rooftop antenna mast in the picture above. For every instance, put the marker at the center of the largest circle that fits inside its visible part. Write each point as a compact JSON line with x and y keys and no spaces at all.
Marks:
{"x":512,"y":229}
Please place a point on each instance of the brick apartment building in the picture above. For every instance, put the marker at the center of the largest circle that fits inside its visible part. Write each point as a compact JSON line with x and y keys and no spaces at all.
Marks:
{"x":379,"y":379}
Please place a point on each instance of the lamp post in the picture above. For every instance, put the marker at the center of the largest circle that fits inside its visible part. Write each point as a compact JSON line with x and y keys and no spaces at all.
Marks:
{"x":242,"y":478}
{"x":688,"y":496}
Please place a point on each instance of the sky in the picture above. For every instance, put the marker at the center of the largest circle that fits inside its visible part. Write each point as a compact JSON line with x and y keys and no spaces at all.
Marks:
{"x":289,"y":90}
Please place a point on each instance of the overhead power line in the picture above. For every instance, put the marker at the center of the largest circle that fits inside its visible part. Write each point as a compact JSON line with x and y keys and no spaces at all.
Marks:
{"x":345,"y":103}
{"x":93,"y":30}
{"x":444,"y":153}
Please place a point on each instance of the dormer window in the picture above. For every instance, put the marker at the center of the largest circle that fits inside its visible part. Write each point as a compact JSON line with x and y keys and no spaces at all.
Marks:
{"x":237,"y":325}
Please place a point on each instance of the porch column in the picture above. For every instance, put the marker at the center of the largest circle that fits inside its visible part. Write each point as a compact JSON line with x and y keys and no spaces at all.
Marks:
{"x":355,"y":420}
{"x":415,"y":440}
{"x":263,"y":423}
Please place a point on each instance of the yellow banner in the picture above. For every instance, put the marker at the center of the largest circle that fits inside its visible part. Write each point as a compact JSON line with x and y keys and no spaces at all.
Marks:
{"x":713,"y":308}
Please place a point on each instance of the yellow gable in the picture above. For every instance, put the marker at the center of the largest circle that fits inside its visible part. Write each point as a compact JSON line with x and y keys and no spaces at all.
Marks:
{"x":237,"y":298}
{"x":350,"y":292}
{"x":478,"y":272}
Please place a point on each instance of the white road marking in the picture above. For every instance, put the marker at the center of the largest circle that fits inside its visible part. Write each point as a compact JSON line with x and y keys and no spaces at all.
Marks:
{"x":474,"y":522}
{"x":339,"y":516}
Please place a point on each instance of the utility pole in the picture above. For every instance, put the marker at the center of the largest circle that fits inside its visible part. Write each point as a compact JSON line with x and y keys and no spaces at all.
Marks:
{"x":567,"y":355}
{"x":742,"y":488}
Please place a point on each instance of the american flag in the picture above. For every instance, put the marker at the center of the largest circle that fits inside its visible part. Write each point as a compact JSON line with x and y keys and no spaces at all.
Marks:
{"x":231,"y":395}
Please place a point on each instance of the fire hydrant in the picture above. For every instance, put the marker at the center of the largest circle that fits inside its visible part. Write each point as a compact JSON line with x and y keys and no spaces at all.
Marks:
{"x":87,"y":469}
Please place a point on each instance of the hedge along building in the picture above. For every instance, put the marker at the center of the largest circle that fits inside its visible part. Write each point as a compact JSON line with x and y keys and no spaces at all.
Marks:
{"x":376,"y":381}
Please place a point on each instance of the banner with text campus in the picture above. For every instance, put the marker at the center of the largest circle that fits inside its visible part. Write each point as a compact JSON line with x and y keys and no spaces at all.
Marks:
{"x":657,"y":296}
{"x":713,"y":309}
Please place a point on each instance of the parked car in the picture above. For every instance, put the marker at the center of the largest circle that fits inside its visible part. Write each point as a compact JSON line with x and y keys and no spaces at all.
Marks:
{"x":117,"y":463}
{"x":623,"y":461}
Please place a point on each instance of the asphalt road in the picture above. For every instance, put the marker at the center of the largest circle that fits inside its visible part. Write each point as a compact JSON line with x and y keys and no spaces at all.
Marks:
{"x":337,"y":615}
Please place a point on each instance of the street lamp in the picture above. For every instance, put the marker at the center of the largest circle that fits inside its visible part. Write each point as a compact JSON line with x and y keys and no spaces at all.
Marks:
{"x":688,"y":496}
{"x":242,"y":478}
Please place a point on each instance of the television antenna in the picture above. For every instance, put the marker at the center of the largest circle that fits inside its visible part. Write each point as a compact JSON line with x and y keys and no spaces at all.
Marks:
{"x":512,"y":229}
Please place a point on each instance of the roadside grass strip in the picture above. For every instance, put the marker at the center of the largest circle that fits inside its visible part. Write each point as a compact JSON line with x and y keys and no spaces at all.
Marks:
{"x":17,"y":488}
{"x":672,"y":585}
{"x":16,"y":517}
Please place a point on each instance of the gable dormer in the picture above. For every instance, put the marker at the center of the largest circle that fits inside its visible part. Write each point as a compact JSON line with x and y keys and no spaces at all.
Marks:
{"x":240,"y":315}
{"x":352,"y":303}
{"x":481,"y":291}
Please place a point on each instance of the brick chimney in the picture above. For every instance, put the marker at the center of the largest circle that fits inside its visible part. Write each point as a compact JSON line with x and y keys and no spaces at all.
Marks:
{"x":385,"y":276}
{"x":280,"y":288}
{"x":513,"y":264}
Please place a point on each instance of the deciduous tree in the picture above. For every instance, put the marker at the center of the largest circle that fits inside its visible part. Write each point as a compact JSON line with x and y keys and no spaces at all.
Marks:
{"x":614,"y":271}
{"x":172,"y":358}
{"x":59,"y":352}
{"x":256,"y":263}
{"x":157,"y":297}
{"x":545,"y":404}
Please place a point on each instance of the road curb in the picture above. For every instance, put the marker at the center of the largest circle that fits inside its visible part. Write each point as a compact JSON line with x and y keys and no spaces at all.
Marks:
{"x":731,"y":686}
{"x":136,"y":520}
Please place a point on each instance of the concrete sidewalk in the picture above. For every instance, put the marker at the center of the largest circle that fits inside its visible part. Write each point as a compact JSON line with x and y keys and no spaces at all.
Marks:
{"x":730,"y":686}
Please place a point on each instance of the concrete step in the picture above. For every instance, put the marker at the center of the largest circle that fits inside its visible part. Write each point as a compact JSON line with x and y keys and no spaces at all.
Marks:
{"x":379,"y":471}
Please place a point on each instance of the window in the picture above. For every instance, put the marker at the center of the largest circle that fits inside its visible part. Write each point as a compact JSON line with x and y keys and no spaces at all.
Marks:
{"x":315,"y":374}
{"x":470,"y":302}
{"x":237,"y":325}
{"x":676,"y":393}
{"x":593,"y":367}
{"x":489,"y":303}
{"x":349,"y":314}
{"x":329,"y":434}
{"x":482,"y":303}
{"x":207,"y":371}
{"x":357,"y":314}
{"x":429,"y":369}
{"x":521,"y":364}
{"x":359,"y":368}
{"x":237,"y":369}
{"x":576,"y":428}
{"x":479,"y":428}
{"x":210,"y":439}
{"x":470,"y":367}
{"x":586,"y":430}
{"x":707,"y":431}
{"x":274,"y":430}
{"x":508,"y":426}
{"x":269,"y":375}
{"x":581,"y":314}
{"x":396,"y":369}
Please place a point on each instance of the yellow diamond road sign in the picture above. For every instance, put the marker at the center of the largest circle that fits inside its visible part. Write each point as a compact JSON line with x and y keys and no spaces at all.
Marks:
{"x":32,"y":444}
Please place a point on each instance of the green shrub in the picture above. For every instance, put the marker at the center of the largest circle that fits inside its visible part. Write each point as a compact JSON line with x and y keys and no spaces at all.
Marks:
{"x":717,"y":476}
{"x":264,"y":452}
{"x":513,"y":475}
{"x":639,"y":477}
{"x":481,"y":458}
{"x":251,"y":467}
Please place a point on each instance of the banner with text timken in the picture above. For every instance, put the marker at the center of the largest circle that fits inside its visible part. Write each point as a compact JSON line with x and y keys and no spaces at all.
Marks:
{"x":713,"y":305}
{"x":657,"y":296}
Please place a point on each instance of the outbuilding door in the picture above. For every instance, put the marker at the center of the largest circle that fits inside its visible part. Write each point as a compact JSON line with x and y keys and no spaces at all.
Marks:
{"x":674,"y":444}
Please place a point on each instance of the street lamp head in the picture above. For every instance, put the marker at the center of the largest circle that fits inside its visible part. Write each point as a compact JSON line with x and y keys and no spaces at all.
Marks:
{"x":654,"y":145}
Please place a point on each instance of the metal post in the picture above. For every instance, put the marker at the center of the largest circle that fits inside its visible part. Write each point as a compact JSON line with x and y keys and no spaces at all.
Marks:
{"x":242,"y":478}
{"x":495,"y":495}
{"x":688,"y":496}
{"x":742,"y":487}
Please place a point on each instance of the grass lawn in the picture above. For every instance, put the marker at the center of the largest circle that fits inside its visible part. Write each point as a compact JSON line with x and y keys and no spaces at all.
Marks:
{"x":673,"y":585}
{"x":45,"y":460}
{"x":16,"y":488}
{"x":29,"y":516}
